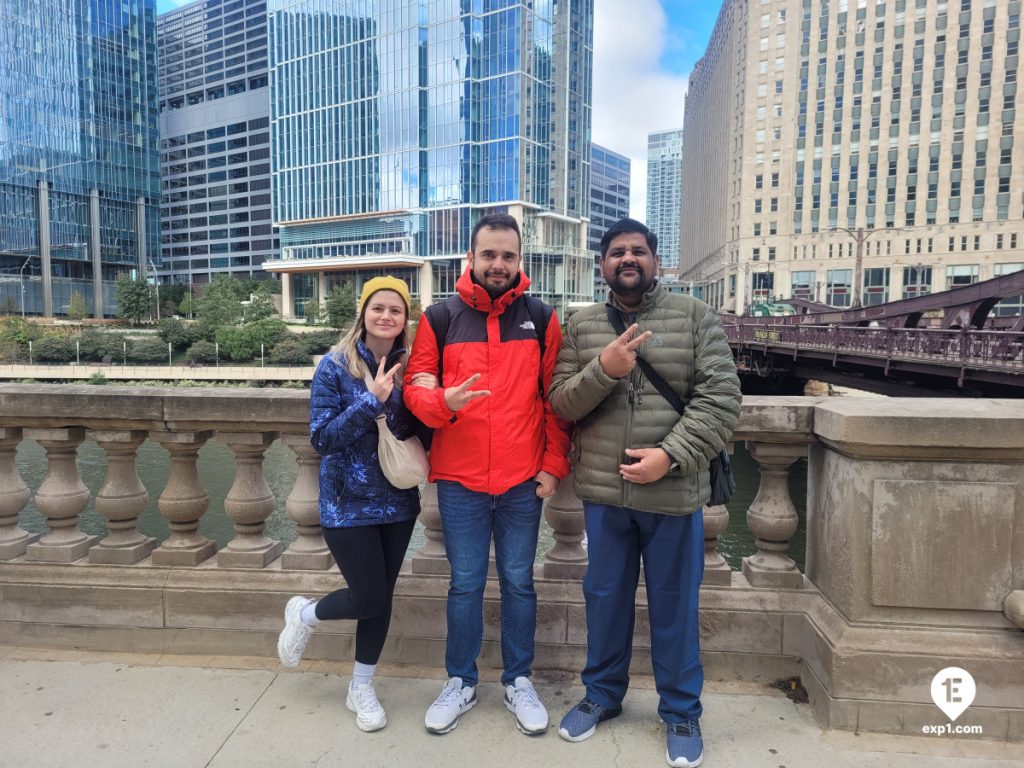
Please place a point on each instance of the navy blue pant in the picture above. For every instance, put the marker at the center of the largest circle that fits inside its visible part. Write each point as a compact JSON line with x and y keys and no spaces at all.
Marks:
{"x":672,"y":548}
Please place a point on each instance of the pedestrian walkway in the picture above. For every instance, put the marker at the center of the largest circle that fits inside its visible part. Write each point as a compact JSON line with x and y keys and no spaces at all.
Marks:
{"x":63,"y":709}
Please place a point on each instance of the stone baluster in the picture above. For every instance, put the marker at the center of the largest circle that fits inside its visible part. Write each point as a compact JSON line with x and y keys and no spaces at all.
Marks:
{"x":772,"y":518}
{"x":61,"y":498}
{"x":1013,"y":607}
{"x":567,"y":559}
{"x":716,"y":520}
{"x":716,"y":570}
{"x":308,"y":552}
{"x":14,"y":495}
{"x":184,"y":501}
{"x":249,"y":503}
{"x":431,"y":557}
{"x":121,"y":500}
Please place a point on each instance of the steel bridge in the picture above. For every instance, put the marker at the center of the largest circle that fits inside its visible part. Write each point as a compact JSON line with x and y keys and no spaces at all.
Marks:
{"x":936,"y":344}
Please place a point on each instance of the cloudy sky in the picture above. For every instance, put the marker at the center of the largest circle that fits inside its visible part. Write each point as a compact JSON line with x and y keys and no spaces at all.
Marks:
{"x":643,"y":53}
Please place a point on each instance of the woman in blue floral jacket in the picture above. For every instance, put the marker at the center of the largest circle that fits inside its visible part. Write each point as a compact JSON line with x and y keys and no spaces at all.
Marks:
{"x":366,"y":521}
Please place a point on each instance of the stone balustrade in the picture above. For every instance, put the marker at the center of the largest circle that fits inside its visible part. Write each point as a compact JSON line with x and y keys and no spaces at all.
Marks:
{"x":915,"y":548}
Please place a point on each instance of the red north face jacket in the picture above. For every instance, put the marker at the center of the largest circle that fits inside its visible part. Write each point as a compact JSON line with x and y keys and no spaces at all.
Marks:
{"x":502,"y":440}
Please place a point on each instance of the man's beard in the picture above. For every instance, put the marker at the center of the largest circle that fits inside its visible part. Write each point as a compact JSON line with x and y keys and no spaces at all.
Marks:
{"x":637,"y":286}
{"x":496,"y":292}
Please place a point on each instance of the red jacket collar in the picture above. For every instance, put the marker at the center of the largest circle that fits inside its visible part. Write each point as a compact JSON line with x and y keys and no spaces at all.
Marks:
{"x":476,"y":296}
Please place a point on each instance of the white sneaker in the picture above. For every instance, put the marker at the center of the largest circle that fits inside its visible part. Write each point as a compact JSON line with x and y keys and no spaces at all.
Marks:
{"x":362,"y":700}
{"x":443,"y":715}
{"x":522,"y":699}
{"x":295,"y":635}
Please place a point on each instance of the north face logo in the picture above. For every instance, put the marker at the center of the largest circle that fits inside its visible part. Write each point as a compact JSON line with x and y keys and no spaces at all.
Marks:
{"x":528,"y":326}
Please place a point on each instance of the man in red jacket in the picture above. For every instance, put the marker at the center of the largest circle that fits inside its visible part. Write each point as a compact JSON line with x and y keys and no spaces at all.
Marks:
{"x":498,"y":450}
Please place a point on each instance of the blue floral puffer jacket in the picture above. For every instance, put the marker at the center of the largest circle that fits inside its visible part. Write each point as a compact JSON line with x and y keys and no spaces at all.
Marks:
{"x":343,"y":430}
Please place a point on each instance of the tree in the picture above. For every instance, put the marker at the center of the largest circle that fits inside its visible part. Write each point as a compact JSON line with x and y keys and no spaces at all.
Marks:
{"x":415,"y":311}
{"x":77,"y":309}
{"x":312,"y":311}
{"x":220,"y":306}
{"x":134,"y":299}
{"x":341,"y":306}
{"x":259,"y":307}
{"x":186,"y":306}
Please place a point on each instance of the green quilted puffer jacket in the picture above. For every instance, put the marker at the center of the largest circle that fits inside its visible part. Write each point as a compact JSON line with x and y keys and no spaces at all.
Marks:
{"x":690,"y":351}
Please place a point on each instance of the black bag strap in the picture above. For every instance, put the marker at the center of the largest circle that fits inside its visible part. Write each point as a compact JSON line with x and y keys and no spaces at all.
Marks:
{"x":615,"y":318}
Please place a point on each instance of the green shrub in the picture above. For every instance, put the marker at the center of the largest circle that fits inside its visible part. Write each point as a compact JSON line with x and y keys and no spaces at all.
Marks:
{"x":318,"y":342}
{"x":97,"y":378}
{"x":95,"y":345}
{"x":289,"y":352}
{"x":53,"y":349}
{"x":237,"y":344}
{"x":148,"y":351}
{"x":177,"y":333}
{"x":201,"y":352}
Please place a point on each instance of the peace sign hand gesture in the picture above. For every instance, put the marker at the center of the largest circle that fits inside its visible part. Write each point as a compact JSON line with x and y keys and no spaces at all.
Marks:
{"x":458,"y":397}
{"x":384,"y":382}
{"x":619,"y":357}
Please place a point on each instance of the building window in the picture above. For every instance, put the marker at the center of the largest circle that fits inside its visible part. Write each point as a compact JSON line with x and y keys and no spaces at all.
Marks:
{"x":837,"y":287}
{"x":917,"y":281}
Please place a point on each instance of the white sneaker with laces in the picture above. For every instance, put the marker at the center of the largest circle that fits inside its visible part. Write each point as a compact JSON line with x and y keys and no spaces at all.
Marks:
{"x":362,"y":700}
{"x":522,"y":700}
{"x":295,"y":635}
{"x":443,"y":715}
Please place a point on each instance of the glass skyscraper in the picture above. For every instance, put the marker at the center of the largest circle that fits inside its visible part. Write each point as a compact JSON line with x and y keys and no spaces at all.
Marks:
{"x":609,"y":202}
{"x":609,"y":192}
{"x":215,"y":140}
{"x":79,"y":180}
{"x":396,"y":124}
{"x":664,"y":193}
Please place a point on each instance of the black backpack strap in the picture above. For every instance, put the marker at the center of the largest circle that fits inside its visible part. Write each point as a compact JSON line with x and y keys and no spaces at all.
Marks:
{"x":439,"y":317}
{"x":540,"y":315}
{"x":652,"y":375}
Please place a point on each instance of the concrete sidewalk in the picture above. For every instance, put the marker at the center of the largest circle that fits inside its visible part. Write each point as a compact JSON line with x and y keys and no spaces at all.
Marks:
{"x":61,"y":709}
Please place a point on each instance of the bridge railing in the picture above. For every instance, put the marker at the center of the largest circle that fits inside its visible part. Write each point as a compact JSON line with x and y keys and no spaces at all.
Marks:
{"x":979,"y":349}
{"x":914,"y":544}
{"x":248,"y":421}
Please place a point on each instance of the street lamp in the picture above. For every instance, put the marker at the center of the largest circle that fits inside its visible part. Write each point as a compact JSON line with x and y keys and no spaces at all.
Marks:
{"x":859,"y":235}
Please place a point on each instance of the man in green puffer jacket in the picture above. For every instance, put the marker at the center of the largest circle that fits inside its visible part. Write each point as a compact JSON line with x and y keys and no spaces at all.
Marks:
{"x":642,"y":473}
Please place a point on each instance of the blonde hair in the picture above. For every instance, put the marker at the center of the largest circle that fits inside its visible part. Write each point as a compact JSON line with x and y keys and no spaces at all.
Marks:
{"x":345,"y":348}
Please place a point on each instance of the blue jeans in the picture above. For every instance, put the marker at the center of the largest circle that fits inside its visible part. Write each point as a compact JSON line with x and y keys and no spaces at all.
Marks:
{"x":672,"y":548}
{"x":468,"y":519}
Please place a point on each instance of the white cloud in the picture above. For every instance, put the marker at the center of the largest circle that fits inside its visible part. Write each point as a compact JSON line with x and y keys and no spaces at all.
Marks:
{"x":633,"y":96}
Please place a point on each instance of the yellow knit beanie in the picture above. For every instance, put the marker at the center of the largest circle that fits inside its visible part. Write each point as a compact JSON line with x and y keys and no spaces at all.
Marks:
{"x":386,"y":283}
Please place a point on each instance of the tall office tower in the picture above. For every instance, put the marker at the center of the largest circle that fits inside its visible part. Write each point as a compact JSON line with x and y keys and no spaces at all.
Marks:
{"x":609,"y":202}
{"x":609,"y":192}
{"x":78,"y":166}
{"x":854,"y":152}
{"x":664,"y":193}
{"x":397,"y":124}
{"x":215,"y":140}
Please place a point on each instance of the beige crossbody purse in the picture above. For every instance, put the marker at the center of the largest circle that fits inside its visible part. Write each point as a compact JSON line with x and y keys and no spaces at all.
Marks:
{"x":404,"y":462}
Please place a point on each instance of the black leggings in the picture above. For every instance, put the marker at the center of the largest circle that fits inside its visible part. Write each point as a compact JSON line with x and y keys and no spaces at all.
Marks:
{"x":369,"y":558}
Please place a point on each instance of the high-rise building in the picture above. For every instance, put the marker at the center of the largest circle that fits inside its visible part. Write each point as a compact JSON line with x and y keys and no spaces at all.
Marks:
{"x":609,"y":192}
{"x":664,"y":193}
{"x":215,"y":140}
{"x":854,"y":152}
{"x":79,"y":183}
{"x":396,"y":125}
{"x":609,"y":202}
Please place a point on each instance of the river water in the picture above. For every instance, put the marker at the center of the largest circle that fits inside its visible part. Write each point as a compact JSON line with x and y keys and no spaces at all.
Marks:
{"x":217,"y":471}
